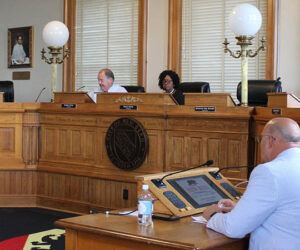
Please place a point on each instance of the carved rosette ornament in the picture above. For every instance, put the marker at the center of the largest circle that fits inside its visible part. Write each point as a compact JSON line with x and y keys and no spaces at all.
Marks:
{"x":129,"y":99}
{"x":126,"y":143}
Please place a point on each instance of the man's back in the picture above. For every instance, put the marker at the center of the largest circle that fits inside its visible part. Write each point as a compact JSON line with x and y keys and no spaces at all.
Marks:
{"x":270,"y":207}
{"x":281,"y":229}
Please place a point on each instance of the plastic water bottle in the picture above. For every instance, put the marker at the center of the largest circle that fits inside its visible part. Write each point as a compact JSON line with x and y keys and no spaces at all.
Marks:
{"x":145,"y":205}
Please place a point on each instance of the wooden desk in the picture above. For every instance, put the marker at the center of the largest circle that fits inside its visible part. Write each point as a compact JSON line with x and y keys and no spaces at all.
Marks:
{"x":63,"y":148}
{"x":100,"y":231}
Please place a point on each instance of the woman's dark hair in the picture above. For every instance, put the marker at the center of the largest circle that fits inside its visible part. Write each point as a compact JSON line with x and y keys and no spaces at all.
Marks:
{"x":175,"y":78}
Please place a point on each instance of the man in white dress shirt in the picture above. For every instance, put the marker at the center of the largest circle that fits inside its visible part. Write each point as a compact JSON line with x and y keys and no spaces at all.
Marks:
{"x":270,"y":206}
{"x":106,"y":83}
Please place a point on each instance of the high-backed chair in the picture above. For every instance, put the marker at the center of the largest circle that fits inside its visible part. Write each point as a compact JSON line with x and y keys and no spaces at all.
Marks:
{"x":133,"y":88}
{"x":194,"y":87}
{"x":8,"y":88}
{"x":257,"y":91}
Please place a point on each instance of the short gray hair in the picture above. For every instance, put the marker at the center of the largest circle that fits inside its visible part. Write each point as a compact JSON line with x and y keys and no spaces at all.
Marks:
{"x":285,"y":134}
{"x":108,"y":73}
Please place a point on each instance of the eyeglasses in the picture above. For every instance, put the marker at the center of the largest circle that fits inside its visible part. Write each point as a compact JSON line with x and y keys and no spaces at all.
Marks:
{"x":258,"y":138}
{"x":167,"y":81}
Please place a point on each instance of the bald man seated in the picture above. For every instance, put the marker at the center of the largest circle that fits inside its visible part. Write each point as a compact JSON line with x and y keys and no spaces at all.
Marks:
{"x":106,"y":83}
{"x":270,"y":206}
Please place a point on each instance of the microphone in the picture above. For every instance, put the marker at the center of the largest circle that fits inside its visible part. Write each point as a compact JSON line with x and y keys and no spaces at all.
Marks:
{"x":218,"y":177}
{"x":160,"y":184}
{"x":80,"y":88}
{"x":40,"y":94}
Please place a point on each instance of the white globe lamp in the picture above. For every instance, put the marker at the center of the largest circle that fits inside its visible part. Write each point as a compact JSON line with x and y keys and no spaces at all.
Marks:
{"x":55,"y":34}
{"x":245,"y":20}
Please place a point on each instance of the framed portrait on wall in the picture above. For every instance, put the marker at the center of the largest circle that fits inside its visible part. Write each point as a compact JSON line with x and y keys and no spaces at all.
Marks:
{"x":20,"y":47}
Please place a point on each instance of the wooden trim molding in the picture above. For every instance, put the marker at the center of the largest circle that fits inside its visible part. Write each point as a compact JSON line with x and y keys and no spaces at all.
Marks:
{"x":271,"y":24}
{"x":69,"y":67}
{"x":174,"y":46}
{"x":175,"y":30}
{"x":142,"y":49}
{"x":69,"y":64}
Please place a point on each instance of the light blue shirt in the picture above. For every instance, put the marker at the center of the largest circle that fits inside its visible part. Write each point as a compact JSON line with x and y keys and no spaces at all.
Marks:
{"x":269,"y":208}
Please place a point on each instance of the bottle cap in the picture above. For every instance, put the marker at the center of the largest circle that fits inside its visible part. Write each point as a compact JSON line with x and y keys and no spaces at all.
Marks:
{"x":145,"y":187}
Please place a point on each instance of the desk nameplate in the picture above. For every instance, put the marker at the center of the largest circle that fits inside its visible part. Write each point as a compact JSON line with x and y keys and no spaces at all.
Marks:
{"x":205,"y":109}
{"x":69,"y":105}
{"x":129,"y":107}
{"x":276,"y":111}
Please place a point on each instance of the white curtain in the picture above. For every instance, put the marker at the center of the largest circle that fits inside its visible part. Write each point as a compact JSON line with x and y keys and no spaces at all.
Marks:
{"x":106,"y":37}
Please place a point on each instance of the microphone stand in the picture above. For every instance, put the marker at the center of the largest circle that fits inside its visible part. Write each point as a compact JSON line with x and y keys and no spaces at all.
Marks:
{"x":218,"y":177}
{"x":80,"y":88}
{"x":160,"y":184}
{"x":40,"y":94}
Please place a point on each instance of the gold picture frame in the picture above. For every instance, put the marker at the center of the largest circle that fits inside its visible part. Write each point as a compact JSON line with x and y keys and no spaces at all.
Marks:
{"x":20,"y":47}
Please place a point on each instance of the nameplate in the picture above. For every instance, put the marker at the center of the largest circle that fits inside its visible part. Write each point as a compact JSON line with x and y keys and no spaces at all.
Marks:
{"x":205,"y":109}
{"x":69,"y":106}
{"x":20,"y":75}
{"x":128,"y":107}
{"x":276,"y":111}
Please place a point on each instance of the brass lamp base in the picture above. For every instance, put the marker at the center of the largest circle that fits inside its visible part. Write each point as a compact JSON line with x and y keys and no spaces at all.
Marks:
{"x":54,"y":60}
{"x":244,"y":53}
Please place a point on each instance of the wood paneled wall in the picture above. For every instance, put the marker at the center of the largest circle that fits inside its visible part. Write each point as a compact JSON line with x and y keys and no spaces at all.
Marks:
{"x":73,"y":151}
{"x":79,"y":140}
{"x":18,"y":154}
{"x":55,"y":157}
{"x":80,"y":193}
{"x":18,"y":188}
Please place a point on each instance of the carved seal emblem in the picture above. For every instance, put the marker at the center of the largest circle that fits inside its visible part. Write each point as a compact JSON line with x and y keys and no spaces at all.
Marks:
{"x":126,"y":143}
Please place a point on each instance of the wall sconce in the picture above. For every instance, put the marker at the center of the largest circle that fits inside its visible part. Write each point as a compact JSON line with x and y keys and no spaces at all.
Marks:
{"x":245,"y":21}
{"x":55,"y":35}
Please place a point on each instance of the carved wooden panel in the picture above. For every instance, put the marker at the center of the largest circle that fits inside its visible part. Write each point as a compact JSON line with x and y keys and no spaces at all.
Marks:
{"x":196,"y":150}
{"x":74,"y":171}
{"x":63,"y":146}
{"x":18,"y":138}
{"x":214,"y":149}
{"x":76,"y":143}
{"x":189,"y":149}
{"x":73,"y":144}
{"x":154,"y":159}
{"x":48,"y":141}
{"x":11,"y":146}
{"x":234,"y":156}
{"x":66,"y":141}
{"x":30,"y":145}
{"x":7,"y":142}
{"x":91,"y":146}
{"x":174,"y":151}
